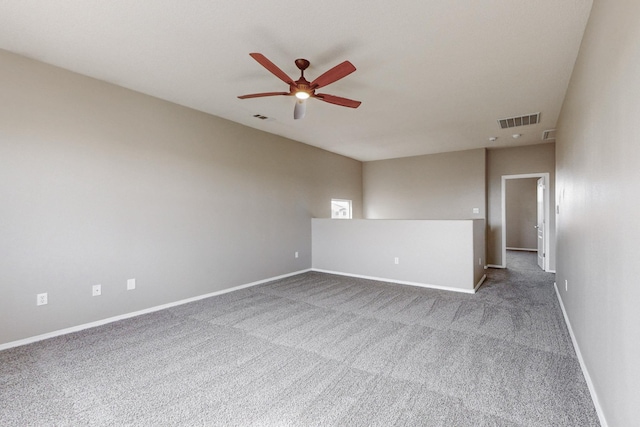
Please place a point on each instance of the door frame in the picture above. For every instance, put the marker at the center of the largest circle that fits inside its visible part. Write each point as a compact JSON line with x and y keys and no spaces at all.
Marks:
{"x":547,"y":214}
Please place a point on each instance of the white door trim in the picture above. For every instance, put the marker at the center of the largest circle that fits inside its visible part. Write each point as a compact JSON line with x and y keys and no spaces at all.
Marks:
{"x":547,"y":214}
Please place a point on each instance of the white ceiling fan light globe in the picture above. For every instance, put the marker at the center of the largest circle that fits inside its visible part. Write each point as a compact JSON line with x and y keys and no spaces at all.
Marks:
{"x":300,"y":109}
{"x":302,"y":95}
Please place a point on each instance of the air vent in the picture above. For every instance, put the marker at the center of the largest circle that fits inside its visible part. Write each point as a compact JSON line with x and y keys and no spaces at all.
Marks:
{"x":549,"y":135}
{"x":512,"y":122}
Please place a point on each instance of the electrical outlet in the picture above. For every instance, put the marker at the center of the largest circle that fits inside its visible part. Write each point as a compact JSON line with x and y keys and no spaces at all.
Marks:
{"x":96,"y":290}
{"x":566,"y":285}
{"x":296,"y":254}
{"x":131,"y":284}
{"x":476,"y":210}
{"x":396,"y":260}
{"x":41,"y":299}
{"x":479,"y":261}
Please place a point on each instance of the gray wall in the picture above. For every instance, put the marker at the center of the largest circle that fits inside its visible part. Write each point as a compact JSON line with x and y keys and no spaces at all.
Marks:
{"x":522,"y":213}
{"x":436,"y":186}
{"x":442,"y":254}
{"x":598,"y":160}
{"x":450,"y":185}
{"x":516,"y":161}
{"x":100,"y":184}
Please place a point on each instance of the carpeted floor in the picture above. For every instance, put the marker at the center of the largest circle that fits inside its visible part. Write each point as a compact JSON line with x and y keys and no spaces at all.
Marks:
{"x":316,"y":350}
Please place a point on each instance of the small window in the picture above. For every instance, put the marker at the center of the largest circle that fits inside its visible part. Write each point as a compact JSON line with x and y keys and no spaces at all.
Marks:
{"x":340,"y":209}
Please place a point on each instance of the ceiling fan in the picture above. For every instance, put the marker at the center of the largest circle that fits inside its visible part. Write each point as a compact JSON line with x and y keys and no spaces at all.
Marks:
{"x":303,"y":89}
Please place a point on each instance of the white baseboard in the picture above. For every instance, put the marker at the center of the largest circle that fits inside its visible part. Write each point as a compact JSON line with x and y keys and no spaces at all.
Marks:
{"x":496,"y":266}
{"x":504,"y":266}
{"x":400,"y":282}
{"x":484,"y":277}
{"x":523,"y":249}
{"x":585,"y":372}
{"x":77,"y":328}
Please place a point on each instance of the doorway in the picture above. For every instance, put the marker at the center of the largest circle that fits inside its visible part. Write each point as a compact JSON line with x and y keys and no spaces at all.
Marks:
{"x":529,"y":231}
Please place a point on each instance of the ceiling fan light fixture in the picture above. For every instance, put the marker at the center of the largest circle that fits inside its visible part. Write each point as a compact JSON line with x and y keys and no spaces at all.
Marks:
{"x":303,"y":89}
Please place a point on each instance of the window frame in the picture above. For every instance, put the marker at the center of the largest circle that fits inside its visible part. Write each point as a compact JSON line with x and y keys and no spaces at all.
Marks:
{"x":349,"y":214}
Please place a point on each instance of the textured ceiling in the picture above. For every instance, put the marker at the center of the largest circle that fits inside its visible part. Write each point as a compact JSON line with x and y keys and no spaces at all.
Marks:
{"x":433,"y":76}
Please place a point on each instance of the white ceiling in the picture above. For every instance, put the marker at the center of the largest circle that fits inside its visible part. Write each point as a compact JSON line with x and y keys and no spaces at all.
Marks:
{"x":433,"y":76}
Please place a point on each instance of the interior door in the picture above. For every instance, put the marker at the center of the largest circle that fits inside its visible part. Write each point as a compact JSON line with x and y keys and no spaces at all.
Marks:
{"x":541,"y":223}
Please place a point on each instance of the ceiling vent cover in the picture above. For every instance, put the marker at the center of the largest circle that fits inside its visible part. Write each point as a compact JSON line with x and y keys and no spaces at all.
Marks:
{"x":512,"y":122}
{"x":549,"y":135}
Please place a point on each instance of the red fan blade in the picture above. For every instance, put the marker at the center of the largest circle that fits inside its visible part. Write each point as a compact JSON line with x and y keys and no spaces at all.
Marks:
{"x":258,"y":95}
{"x":334,"y":74}
{"x":344,"y":102}
{"x":273,"y":68}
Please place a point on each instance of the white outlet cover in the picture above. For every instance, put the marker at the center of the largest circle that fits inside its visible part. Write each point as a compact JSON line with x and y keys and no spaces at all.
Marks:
{"x":96,"y":290}
{"x":476,"y":210}
{"x":41,"y":299}
{"x":131,"y":284}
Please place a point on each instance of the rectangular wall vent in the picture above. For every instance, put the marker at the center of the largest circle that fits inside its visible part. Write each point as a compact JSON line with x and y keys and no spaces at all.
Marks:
{"x":512,"y":122}
{"x":549,"y":135}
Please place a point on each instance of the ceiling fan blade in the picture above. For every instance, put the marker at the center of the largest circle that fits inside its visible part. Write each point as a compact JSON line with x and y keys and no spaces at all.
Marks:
{"x":331,"y":99}
{"x":300,"y":109}
{"x":273,"y":68}
{"x":259,"y":95}
{"x":334,"y":74}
